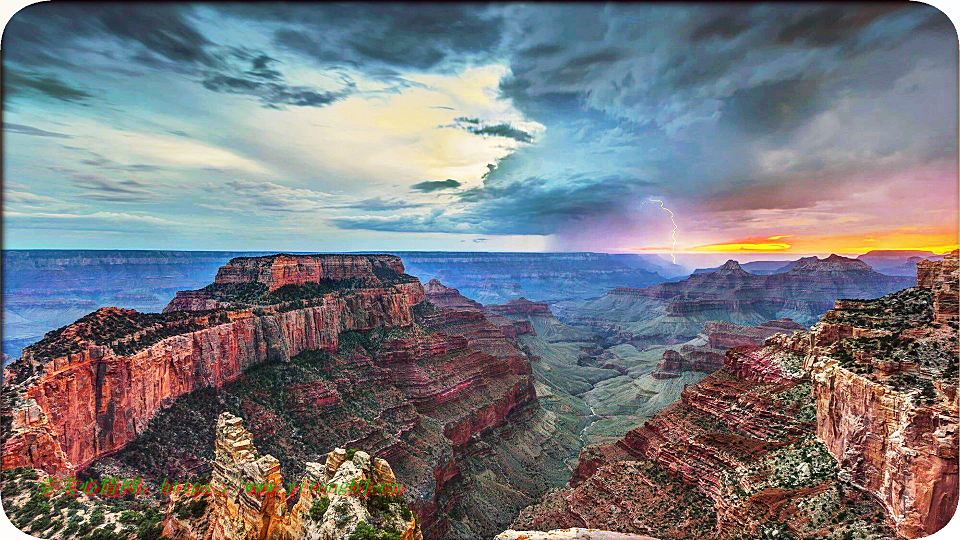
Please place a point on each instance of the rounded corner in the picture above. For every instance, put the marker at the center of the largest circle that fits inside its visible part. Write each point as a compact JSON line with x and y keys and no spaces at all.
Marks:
{"x":937,"y":12}
{"x":14,"y":19}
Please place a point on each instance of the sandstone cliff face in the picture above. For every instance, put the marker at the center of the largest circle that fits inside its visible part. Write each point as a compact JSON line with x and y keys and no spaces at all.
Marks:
{"x":450,"y":299}
{"x":90,"y":388}
{"x":885,"y":385}
{"x":736,"y":457}
{"x":374,"y":366}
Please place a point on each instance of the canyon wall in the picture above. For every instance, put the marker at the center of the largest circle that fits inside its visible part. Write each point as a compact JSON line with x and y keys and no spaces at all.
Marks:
{"x":891,"y":419}
{"x":94,"y":401}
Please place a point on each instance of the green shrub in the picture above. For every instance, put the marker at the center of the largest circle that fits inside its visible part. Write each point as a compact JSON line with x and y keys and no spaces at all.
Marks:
{"x":319,"y":508}
{"x":366,"y":532}
{"x":97,"y":518}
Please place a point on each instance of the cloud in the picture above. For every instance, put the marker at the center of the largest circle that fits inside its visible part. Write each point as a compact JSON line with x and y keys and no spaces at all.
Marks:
{"x":99,"y":160}
{"x":40,"y":34}
{"x":100,"y":188}
{"x":103,"y":221}
{"x":436,"y":185}
{"x":478,"y":127}
{"x":399,"y":36}
{"x":382,"y":204}
{"x":503,"y":130}
{"x":30,"y":130}
{"x":272,"y":198}
{"x":273,"y":94}
{"x":17,"y":83}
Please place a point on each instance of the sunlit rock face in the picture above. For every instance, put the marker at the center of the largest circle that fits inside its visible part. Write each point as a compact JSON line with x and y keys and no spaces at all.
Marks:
{"x":884,"y":378}
{"x":849,"y":428}
{"x":98,"y":381}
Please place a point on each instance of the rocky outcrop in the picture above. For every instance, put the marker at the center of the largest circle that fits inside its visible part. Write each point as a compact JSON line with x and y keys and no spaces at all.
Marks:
{"x":414,"y":384}
{"x":97,"y":382}
{"x":720,"y":336}
{"x":885,"y":384}
{"x":450,"y":299}
{"x":249,"y":500}
{"x":268,"y":280}
{"x":675,"y":312}
{"x":521,"y":306}
{"x":275,"y":271}
{"x":941,"y":278}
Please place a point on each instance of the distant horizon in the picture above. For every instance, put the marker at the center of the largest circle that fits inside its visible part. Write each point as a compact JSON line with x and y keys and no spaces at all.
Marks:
{"x":689,"y":261}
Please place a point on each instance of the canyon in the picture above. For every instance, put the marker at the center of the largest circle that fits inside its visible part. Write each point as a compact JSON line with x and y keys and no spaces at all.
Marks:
{"x":850,"y":428}
{"x":749,"y":426}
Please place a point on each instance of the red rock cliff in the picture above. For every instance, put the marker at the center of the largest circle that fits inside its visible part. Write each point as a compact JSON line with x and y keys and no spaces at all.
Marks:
{"x":886,"y":395}
{"x":95,"y":399}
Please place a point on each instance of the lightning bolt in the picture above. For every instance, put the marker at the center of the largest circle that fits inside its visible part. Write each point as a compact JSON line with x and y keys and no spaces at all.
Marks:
{"x":673,"y":233}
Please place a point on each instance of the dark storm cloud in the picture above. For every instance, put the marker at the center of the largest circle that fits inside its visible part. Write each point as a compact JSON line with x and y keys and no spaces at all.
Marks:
{"x":15,"y":83}
{"x":770,"y":108}
{"x":502,"y":130}
{"x":42,"y":32}
{"x":436,"y":185}
{"x":532,"y":205}
{"x":725,"y":26}
{"x":159,"y":36}
{"x":274,"y":94}
{"x":30,"y":130}
{"x":477,"y":127}
{"x":401,"y":35}
{"x":831,"y":25}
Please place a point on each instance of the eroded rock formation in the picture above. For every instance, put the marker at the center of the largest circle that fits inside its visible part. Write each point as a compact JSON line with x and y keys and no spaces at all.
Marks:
{"x":374,"y":363}
{"x":569,"y":534}
{"x":249,"y":500}
{"x":675,"y":312}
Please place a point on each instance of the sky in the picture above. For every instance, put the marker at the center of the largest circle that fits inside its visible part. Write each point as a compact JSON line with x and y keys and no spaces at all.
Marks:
{"x":763,"y":129}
